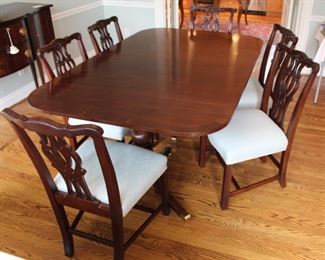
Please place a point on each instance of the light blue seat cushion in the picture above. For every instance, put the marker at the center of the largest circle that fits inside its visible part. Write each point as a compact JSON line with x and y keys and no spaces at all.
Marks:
{"x":250,"y":134}
{"x":136,"y":170}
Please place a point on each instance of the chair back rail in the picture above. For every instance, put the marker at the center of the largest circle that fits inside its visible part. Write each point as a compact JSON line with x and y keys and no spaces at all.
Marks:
{"x":105,"y":38}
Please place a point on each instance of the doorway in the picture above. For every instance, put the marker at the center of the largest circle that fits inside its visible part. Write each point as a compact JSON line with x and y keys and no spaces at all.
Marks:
{"x":261,"y":15}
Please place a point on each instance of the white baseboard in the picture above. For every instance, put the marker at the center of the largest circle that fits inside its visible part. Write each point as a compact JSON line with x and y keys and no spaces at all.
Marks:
{"x":16,"y":96}
{"x":23,"y":92}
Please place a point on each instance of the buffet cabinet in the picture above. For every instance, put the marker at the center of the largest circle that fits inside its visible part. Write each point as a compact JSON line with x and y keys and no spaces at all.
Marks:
{"x":24,"y":27}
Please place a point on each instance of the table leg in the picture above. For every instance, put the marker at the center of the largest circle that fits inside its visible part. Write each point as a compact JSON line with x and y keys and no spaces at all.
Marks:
{"x":148,"y":141}
{"x":178,"y":209}
{"x":319,"y":81}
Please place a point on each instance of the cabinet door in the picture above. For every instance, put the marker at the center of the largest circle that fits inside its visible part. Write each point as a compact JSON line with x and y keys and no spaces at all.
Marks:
{"x":10,"y":63}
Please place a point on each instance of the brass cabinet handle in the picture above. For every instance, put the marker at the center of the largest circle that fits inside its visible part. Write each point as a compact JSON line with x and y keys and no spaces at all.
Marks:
{"x":23,"y":31}
{"x":28,"y":53}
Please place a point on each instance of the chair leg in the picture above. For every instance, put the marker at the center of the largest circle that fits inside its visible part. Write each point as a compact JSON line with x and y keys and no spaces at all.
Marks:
{"x":63,"y":223}
{"x":283,"y":168}
{"x":225,"y":192}
{"x":164,"y":193}
{"x":118,"y":253}
{"x":203,"y":150}
{"x":240,"y":11}
{"x":246,"y":16}
{"x":118,"y":238}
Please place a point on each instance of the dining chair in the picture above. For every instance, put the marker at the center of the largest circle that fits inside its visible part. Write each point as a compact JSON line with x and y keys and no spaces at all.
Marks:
{"x":101,"y":177}
{"x":211,"y":20}
{"x":105,"y":38}
{"x":252,"y":95}
{"x":63,"y":62}
{"x":256,"y":133}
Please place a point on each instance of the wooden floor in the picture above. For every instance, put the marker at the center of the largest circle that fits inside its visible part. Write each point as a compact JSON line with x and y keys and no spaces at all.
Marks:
{"x":265,"y":223}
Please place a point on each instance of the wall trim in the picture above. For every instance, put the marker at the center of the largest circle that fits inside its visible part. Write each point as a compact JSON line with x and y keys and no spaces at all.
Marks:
{"x":77,"y":10}
{"x":16,"y":96}
{"x":23,"y":92}
{"x":317,"y":18}
{"x":131,"y":3}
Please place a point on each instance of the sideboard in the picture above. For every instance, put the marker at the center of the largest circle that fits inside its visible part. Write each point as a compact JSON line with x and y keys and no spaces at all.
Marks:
{"x":24,"y":27}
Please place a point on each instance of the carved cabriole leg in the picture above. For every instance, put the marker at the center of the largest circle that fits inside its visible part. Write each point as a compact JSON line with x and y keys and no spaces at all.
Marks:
{"x":203,"y":150}
{"x":63,"y":223}
{"x":283,"y":168}
{"x":164,"y":193}
{"x":225,"y":192}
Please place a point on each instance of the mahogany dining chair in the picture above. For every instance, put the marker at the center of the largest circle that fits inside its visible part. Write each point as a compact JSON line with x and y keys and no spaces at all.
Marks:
{"x":105,"y":38}
{"x":63,"y":63}
{"x":211,"y":19}
{"x":255,"y":133}
{"x":252,"y":95}
{"x":101,"y":177}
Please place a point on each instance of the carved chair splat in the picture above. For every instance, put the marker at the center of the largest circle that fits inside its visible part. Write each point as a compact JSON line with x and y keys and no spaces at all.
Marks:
{"x":105,"y":38}
{"x":62,"y":58}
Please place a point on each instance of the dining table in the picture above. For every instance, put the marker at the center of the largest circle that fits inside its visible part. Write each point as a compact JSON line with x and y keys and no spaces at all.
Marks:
{"x":173,"y":82}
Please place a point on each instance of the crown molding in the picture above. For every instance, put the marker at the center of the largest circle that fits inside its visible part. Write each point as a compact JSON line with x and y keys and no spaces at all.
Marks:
{"x":77,"y":10}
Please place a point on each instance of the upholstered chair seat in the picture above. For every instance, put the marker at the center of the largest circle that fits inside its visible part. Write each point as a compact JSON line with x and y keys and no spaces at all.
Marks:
{"x":258,"y":136}
{"x":110,"y":131}
{"x":136,"y":170}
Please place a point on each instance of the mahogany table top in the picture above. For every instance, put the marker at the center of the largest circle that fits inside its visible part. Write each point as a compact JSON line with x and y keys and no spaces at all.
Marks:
{"x":166,"y":81}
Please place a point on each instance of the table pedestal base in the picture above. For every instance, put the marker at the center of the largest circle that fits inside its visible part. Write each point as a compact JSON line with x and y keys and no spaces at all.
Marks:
{"x":149,"y":141}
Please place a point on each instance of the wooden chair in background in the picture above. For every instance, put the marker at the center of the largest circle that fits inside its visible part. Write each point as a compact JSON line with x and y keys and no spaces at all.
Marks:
{"x":242,"y":8}
{"x":63,"y":62}
{"x":256,"y":133}
{"x":105,"y":38}
{"x":101,"y":177}
{"x":211,"y":20}
{"x":62,"y":59}
{"x":252,"y":95}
